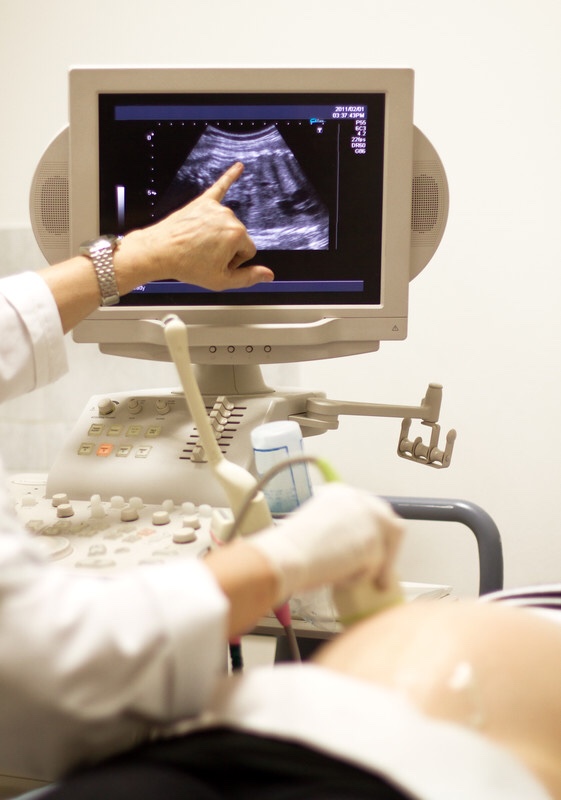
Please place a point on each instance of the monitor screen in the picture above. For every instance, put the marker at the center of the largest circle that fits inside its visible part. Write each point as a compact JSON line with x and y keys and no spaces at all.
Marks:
{"x":310,"y":196}
{"x":325,"y":195}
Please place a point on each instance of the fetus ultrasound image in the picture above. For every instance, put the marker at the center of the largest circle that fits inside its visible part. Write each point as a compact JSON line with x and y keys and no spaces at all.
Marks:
{"x":274,"y":198}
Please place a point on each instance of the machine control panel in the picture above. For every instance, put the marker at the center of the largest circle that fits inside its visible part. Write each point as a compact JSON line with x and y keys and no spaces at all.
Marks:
{"x":106,"y":537}
{"x":146,"y":444}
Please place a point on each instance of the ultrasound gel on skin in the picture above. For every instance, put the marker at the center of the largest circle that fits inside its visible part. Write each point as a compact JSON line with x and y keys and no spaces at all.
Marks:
{"x":273,"y":443}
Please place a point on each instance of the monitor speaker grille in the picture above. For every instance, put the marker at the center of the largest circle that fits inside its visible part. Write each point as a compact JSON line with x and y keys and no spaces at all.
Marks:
{"x":50,"y":200}
{"x":427,"y":214}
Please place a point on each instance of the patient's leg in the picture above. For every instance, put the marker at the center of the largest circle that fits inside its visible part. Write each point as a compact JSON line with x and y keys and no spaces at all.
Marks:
{"x":493,"y":668}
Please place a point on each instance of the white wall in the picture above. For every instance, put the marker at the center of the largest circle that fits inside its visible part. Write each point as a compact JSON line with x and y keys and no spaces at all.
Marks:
{"x":485,"y":316}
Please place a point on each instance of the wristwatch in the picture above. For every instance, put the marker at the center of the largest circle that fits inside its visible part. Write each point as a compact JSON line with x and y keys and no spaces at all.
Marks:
{"x":100,"y":251}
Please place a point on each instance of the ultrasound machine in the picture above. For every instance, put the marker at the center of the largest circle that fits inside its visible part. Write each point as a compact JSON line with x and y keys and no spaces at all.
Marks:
{"x":345,"y":199}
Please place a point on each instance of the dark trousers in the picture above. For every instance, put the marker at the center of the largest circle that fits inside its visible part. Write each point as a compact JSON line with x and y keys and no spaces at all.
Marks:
{"x":223,"y":765}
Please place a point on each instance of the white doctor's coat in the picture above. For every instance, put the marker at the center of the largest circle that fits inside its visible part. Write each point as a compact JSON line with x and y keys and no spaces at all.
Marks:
{"x":88,"y":665}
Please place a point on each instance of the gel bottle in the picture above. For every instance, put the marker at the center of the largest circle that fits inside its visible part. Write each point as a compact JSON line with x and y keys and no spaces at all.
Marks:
{"x":274,"y":443}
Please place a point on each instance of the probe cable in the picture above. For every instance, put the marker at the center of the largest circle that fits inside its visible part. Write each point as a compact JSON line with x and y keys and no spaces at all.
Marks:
{"x":329,"y":475}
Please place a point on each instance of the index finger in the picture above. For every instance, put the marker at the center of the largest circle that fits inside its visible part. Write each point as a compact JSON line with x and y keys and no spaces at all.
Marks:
{"x":219,"y":189}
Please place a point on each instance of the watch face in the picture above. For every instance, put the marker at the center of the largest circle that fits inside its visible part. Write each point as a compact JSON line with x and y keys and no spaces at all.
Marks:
{"x":99,"y":243}
{"x":109,"y":238}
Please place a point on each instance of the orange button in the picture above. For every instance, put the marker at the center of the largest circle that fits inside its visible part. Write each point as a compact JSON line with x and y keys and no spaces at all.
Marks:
{"x":104,"y":450}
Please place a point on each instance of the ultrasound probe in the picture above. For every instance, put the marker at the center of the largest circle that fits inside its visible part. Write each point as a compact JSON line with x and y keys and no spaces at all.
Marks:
{"x":237,"y":482}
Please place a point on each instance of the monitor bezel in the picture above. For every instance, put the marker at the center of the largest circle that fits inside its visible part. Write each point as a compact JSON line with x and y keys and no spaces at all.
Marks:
{"x":384,"y":321}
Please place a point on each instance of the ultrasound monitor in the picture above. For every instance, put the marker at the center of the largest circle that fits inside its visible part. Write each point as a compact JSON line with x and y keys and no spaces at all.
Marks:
{"x":327,"y":193}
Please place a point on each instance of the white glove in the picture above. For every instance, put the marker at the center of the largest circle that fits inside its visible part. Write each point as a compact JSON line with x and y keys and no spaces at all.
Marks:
{"x":340,"y":535}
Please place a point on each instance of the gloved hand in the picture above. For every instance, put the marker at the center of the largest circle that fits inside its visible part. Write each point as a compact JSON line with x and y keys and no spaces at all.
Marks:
{"x":339,"y":536}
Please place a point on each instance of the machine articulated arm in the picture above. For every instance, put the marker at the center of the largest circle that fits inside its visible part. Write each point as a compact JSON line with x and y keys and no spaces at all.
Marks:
{"x":323,"y":414}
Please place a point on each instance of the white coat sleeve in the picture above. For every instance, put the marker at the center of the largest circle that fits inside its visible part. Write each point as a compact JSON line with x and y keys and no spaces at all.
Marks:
{"x":32,"y":351}
{"x":88,"y":665}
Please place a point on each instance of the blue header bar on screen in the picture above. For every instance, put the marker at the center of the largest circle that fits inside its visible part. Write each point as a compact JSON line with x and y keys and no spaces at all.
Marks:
{"x":312,"y":113}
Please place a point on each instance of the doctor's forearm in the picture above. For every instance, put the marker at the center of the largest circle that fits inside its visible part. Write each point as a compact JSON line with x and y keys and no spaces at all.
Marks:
{"x":74,"y":284}
{"x":247,"y":580}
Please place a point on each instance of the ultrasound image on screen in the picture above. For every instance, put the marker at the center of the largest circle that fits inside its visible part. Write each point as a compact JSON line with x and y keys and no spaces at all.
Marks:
{"x":274,"y":198}
{"x":311,"y":194}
